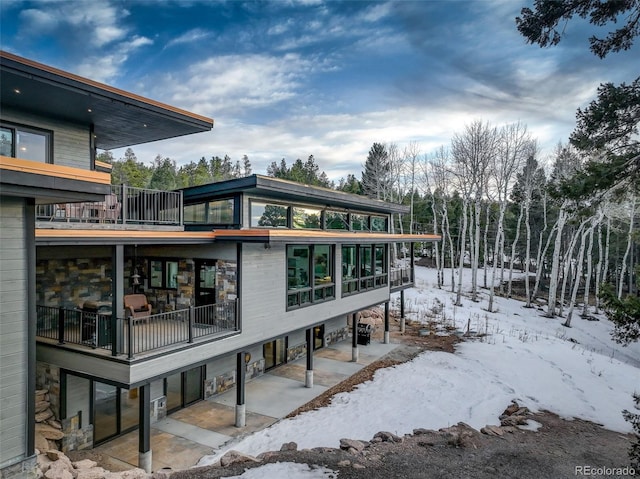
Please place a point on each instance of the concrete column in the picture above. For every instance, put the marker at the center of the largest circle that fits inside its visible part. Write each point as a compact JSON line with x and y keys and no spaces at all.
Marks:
{"x":402,"y":324}
{"x":354,"y":344}
{"x":308,"y":380}
{"x":241,"y":372}
{"x":387,"y":338}
{"x":145,"y":454}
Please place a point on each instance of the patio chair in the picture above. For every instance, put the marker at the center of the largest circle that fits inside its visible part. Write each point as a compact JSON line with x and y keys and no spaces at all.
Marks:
{"x":136,"y":306}
{"x":112,"y":208}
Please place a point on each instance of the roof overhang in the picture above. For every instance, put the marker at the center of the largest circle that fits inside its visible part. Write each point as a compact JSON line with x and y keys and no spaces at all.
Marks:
{"x":290,"y":191}
{"x":119,"y":118}
{"x":50,"y":237}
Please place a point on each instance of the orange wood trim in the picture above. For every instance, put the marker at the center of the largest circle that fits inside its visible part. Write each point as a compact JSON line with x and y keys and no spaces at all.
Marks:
{"x":59,"y":171}
{"x":103,"y":165}
{"x":101,"y":86}
{"x":289,"y":233}
{"x":100,"y":233}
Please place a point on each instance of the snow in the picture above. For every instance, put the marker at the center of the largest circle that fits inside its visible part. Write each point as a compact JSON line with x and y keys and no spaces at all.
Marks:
{"x":514,"y":353}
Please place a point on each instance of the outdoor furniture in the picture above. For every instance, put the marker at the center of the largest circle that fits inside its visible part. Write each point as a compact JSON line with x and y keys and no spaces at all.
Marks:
{"x":112,"y":208}
{"x":136,"y":306}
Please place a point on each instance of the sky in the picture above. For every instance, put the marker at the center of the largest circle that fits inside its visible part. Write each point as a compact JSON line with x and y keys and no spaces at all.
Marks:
{"x":289,"y":79}
{"x":576,"y":372}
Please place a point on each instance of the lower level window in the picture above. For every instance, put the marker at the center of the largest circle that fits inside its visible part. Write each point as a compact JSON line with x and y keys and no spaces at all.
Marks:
{"x":309,"y":274}
{"x":364,"y":267}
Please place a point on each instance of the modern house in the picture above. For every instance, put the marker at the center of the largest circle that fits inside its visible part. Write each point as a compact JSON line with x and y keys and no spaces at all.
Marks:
{"x":127,"y":304}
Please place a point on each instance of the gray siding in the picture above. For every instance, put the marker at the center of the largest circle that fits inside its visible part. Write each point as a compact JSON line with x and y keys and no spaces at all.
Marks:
{"x":78,"y":398}
{"x":71,"y":143}
{"x":13,"y":332}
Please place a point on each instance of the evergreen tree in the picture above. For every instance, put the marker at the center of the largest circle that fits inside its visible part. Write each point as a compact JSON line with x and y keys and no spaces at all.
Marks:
{"x":376,"y":174}
{"x":164,"y":176}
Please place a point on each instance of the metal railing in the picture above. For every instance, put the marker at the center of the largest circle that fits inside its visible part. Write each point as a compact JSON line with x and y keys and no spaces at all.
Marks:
{"x":125,"y":205}
{"x":131,"y":337}
{"x":400,"y":276}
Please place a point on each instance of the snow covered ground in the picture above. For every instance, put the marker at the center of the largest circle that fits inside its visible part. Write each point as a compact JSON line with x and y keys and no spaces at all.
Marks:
{"x":517,"y":355}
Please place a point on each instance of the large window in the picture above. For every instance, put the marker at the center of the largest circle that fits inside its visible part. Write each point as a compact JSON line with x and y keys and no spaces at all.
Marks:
{"x":25,"y":143}
{"x":217,"y":212}
{"x":364,"y":267}
{"x":336,"y":220}
{"x":306,"y":218}
{"x":163,"y":274}
{"x":309,"y":274}
{"x":269,"y":215}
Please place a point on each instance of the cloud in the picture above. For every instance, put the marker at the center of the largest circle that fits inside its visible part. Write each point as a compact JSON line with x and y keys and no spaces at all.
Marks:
{"x":194,"y":35}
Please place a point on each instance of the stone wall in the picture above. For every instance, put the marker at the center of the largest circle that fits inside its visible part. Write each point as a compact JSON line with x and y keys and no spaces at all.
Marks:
{"x":336,"y":336}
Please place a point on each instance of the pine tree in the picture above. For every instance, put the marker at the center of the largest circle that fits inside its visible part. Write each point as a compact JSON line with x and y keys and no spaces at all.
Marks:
{"x":376,"y":174}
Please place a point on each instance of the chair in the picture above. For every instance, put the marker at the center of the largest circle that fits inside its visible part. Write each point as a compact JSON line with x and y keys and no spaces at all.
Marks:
{"x":136,"y":306}
{"x":111,"y":208}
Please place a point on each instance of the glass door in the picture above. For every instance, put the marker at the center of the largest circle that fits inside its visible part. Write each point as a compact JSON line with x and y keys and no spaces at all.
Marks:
{"x":193,"y":383}
{"x":205,"y":282}
{"x":173,"y":392}
{"x":318,"y":337}
{"x":105,"y":411}
{"x":275,"y":353}
{"x":184,"y":388}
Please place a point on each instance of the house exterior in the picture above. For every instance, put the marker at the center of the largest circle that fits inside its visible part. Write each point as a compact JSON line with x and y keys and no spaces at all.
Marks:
{"x":127,"y":304}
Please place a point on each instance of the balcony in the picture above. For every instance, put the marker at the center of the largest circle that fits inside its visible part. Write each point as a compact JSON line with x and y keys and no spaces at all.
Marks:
{"x":129,"y":339}
{"x":401,"y":278}
{"x":124,"y":206}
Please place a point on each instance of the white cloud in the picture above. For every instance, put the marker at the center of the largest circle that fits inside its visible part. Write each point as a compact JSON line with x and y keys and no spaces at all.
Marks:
{"x":195,"y":35}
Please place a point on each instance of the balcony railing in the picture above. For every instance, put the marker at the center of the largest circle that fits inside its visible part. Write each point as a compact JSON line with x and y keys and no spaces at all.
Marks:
{"x":399,"y":277}
{"x":129,"y":337}
{"x":125,"y":205}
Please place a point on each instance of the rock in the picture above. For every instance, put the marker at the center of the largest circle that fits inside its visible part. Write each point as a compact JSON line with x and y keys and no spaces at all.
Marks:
{"x":44,"y":463}
{"x":136,"y":473}
{"x":53,"y":423}
{"x":459,"y":435}
{"x":491,"y":430}
{"x":49,"y":432}
{"x":346,"y":444}
{"x":58,"y":456}
{"x":359,"y":466}
{"x":92,"y":473}
{"x":344,"y":463}
{"x":163,"y":473}
{"x":42,"y":416}
{"x":384,"y":436}
{"x":421,"y":431}
{"x":84,"y":464}
{"x":59,"y":470}
{"x":289,"y":446}
{"x":233,"y":457}
{"x":53,"y":446}
{"x":42,"y":405}
{"x":513,"y":407}
{"x":41,"y":443}
{"x":514,"y":420}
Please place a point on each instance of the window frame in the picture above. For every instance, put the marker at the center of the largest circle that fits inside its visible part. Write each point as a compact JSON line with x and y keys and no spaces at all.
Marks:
{"x":267,"y":202}
{"x":361,"y":282}
{"x":315,"y":290}
{"x":16,"y":128}
{"x":165,"y":283}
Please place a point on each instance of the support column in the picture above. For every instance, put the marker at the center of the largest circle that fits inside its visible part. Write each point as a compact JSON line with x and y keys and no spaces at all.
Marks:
{"x":241,"y":372}
{"x":308,"y":380}
{"x":117,"y":297}
{"x":386,"y":323}
{"x":402,"y":323}
{"x":145,"y":455}
{"x":354,"y":343}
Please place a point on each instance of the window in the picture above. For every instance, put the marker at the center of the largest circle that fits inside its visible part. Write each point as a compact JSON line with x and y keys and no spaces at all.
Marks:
{"x":358,"y":222}
{"x":364,"y":267}
{"x":163,"y":274}
{"x":335,"y":220}
{"x":306,"y":218}
{"x":269,"y":215}
{"x":25,"y":143}
{"x":219,"y":212}
{"x":379,"y":224}
{"x":309,"y":274}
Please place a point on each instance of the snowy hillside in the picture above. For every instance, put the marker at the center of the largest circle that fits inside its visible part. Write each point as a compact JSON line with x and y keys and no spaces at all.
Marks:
{"x":574,"y":372}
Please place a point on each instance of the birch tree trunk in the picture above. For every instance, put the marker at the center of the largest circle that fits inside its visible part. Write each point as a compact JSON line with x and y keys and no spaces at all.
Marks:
{"x":555,"y":262}
{"x":629,"y":242}
{"x":541,"y":253}
{"x":527,"y":257}
{"x":513,"y":250}
{"x":576,"y":283}
{"x":587,"y":279}
{"x":462,"y":248}
{"x":486,"y":243}
{"x":598,"y":270}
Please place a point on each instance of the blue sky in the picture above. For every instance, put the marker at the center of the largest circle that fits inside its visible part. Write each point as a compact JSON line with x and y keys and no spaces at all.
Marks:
{"x":289,"y":79}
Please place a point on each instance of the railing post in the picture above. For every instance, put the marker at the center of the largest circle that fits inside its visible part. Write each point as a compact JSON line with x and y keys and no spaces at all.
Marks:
{"x":61,"y":325}
{"x":114,"y":334}
{"x":191,"y":313}
{"x":236,"y":314}
{"x":125,"y":203}
{"x":130,"y":337}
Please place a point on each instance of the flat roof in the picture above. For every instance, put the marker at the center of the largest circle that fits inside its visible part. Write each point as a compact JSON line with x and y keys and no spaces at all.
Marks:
{"x":290,"y":191}
{"x":120,"y":118}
